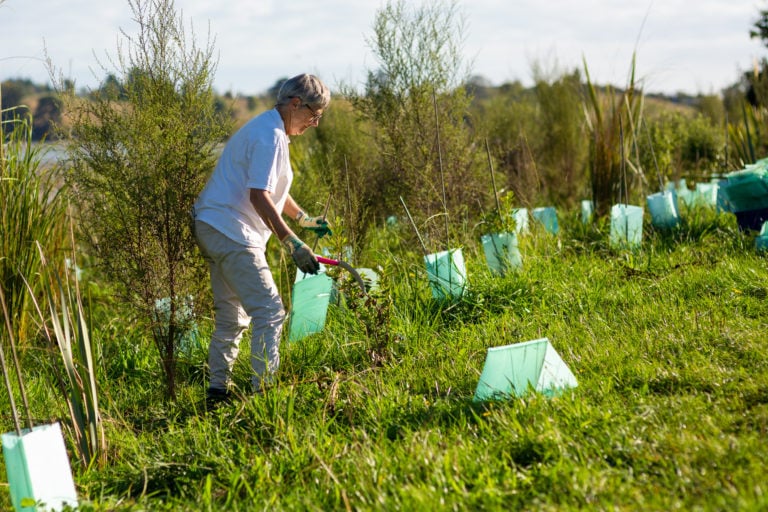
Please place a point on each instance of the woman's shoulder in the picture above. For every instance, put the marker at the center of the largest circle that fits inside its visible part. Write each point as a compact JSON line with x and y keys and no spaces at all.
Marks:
{"x":265,"y":129}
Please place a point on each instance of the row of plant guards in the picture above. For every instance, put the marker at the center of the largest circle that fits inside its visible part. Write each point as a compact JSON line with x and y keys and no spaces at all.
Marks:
{"x":512,"y":370}
{"x":446,"y":269}
{"x":518,"y":368}
{"x":743,"y":192}
{"x":509,"y":371}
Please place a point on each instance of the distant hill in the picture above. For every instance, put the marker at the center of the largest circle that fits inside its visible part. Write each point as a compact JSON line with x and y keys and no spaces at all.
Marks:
{"x":20,"y":96}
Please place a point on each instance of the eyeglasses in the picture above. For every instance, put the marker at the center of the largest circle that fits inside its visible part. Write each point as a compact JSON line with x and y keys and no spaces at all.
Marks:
{"x":315,"y":116}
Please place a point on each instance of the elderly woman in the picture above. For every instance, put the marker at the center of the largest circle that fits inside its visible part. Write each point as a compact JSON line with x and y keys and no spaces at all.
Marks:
{"x":242,"y":204}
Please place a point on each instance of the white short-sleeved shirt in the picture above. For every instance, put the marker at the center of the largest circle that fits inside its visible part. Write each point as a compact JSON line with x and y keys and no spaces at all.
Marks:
{"x":256,"y":157}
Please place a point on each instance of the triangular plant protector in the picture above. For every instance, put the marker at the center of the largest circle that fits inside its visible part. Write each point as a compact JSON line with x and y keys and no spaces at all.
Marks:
{"x":514,"y":370}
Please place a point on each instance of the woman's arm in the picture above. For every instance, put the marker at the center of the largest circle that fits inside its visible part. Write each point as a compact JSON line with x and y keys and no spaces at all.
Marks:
{"x":265,"y":207}
{"x":292,"y":208}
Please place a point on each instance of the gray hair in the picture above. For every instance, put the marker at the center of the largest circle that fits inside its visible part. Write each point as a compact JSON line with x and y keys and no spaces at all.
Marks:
{"x":308,"y":88}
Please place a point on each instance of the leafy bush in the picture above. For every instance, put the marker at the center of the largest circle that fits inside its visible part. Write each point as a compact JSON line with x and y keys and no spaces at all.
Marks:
{"x":140,"y":154}
{"x":679,"y":145}
{"x":415,"y":108}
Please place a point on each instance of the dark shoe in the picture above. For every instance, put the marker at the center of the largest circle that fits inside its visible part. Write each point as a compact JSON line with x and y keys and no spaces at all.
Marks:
{"x":215,"y":397}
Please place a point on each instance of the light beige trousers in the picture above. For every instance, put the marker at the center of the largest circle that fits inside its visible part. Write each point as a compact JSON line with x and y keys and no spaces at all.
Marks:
{"x":244,"y":293}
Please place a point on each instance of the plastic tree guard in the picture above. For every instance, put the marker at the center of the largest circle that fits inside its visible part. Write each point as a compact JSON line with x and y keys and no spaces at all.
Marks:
{"x":517,"y":369}
{"x":447,"y":274}
{"x":626,"y":226}
{"x":38,"y":469}
{"x":663,"y":208}
{"x":501,"y":252}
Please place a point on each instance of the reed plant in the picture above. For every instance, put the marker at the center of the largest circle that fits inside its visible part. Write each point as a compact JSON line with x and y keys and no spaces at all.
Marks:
{"x":32,"y":210}
{"x":613,"y":122}
{"x":744,"y":137}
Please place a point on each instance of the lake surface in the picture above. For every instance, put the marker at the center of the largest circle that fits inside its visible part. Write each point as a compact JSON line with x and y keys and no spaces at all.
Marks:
{"x":54,"y":152}
{"x":50,"y":152}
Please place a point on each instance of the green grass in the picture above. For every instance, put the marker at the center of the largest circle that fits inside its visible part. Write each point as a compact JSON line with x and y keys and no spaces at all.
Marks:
{"x":668,"y":345}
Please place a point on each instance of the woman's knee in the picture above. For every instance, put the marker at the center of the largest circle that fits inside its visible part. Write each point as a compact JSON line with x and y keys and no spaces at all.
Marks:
{"x":277,"y":313}
{"x":272,"y":314}
{"x":231,"y":326}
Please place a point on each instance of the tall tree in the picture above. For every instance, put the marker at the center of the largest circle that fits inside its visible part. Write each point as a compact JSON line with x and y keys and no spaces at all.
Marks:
{"x":417,"y":106}
{"x":140,"y":154}
{"x":757,"y":78}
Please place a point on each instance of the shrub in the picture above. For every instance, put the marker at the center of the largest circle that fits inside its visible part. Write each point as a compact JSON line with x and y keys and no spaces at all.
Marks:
{"x":416,"y":106}
{"x":138,"y":164}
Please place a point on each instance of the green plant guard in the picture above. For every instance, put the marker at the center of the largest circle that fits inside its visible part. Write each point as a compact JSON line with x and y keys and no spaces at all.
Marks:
{"x":626,"y":226}
{"x":501,"y":252}
{"x":547,"y":216}
{"x":311,"y":297}
{"x":447,"y":274}
{"x":514,"y":370}
{"x":38,"y":469}
{"x":663,"y":208}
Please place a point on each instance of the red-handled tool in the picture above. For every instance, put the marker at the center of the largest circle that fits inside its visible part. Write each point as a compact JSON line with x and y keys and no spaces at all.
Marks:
{"x":346,"y":266}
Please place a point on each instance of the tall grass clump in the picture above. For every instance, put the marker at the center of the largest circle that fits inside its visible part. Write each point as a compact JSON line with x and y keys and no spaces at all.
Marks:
{"x":32,"y":210}
{"x":613,"y":120}
{"x":140,"y":153}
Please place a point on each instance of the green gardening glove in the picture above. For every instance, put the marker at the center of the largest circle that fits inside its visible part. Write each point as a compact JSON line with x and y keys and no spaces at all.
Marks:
{"x":302,"y":255}
{"x":317,"y":224}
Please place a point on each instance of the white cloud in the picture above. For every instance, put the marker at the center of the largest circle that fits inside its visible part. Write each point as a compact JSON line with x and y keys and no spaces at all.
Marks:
{"x":681,"y":45}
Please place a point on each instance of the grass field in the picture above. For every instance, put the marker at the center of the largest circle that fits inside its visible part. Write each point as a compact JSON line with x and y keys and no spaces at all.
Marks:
{"x":668,"y":344}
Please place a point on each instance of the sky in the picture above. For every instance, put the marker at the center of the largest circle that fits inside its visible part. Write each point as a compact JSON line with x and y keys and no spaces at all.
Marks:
{"x":688,"y":46}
